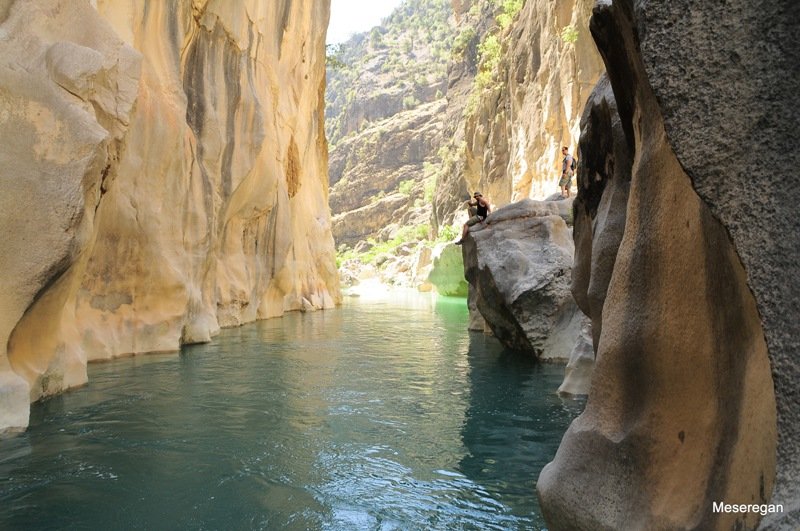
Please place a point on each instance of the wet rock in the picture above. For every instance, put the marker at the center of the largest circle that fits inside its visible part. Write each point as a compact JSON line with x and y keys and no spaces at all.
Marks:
{"x":520,"y":265}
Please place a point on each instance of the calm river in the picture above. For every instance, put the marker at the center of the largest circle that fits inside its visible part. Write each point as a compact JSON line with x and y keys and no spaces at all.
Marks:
{"x":384,"y":414}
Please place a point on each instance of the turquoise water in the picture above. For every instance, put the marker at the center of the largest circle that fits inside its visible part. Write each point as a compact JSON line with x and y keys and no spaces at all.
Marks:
{"x":386,"y":415}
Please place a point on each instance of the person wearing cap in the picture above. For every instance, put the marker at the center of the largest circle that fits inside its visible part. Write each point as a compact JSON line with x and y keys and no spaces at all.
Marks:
{"x":482,"y":211}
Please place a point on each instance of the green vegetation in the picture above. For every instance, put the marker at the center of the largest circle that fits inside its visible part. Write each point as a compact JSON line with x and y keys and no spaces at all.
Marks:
{"x":508,"y":10}
{"x":405,"y":187}
{"x":569,"y":34}
{"x":462,"y":42}
{"x":412,"y":234}
{"x":333,"y":57}
{"x":490,"y":48}
{"x":412,"y":47}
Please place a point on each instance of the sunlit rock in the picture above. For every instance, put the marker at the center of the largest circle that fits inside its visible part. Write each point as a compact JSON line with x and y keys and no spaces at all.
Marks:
{"x":532,"y":107}
{"x":164,"y":173}
{"x":578,"y":372}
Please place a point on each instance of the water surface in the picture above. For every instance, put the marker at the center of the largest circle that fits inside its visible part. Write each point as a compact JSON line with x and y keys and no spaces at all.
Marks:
{"x":379,"y":415}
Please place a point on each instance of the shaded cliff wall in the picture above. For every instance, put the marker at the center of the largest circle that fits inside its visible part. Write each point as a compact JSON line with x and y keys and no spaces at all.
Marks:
{"x":171,"y":179}
{"x":601,"y":204}
{"x":682,"y":411}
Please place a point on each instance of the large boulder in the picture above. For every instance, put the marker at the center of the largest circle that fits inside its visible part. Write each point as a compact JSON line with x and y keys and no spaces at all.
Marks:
{"x":681,"y":412}
{"x":519,"y":263}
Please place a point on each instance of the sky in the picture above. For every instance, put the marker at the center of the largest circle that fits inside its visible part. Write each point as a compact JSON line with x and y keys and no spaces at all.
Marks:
{"x":355,"y":16}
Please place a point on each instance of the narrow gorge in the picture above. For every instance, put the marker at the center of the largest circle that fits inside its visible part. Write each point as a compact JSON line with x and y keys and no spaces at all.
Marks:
{"x":194,"y":179}
{"x":164,"y":174}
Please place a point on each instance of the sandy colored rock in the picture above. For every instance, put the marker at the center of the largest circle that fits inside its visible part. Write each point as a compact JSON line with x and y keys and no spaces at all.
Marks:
{"x":180,"y":171}
{"x":57,"y":139}
{"x":519,"y":264}
{"x":514,"y":139}
{"x":680,"y":411}
{"x":578,"y":372}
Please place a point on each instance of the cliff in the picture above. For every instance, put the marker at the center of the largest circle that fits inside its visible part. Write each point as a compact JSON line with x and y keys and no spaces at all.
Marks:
{"x":694,"y":396}
{"x":533,"y":76}
{"x":164,"y":173}
{"x":385,"y":123}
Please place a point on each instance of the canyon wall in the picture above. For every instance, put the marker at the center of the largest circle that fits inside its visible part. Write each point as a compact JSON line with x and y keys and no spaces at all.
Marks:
{"x":694,"y":396}
{"x":516,"y":123}
{"x":164,"y":173}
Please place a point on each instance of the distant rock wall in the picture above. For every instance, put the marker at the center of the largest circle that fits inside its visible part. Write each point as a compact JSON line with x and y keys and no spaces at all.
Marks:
{"x":367,"y":169}
{"x":514,"y":139}
{"x":164,"y":173}
{"x":681,"y":411}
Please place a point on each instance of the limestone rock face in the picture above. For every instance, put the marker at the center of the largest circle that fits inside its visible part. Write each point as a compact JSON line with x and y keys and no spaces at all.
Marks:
{"x":681,"y":411}
{"x":60,"y":128}
{"x":520,"y":263}
{"x":514,"y":138}
{"x":578,"y":372}
{"x":367,"y":169}
{"x":164,"y":174}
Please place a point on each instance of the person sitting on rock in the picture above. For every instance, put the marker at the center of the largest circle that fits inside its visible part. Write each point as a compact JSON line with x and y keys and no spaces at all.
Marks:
{"x":565,"y":183}
{"x":482,"y":211}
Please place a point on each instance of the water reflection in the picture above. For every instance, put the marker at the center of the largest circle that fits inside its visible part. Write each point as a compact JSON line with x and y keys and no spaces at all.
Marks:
{"x":376,"y":416}
{"x":514,"y":424}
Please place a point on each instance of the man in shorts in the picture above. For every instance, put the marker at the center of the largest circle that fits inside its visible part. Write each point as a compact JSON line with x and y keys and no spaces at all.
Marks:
{"x":565,"y":183}
{"x":483,"y":210}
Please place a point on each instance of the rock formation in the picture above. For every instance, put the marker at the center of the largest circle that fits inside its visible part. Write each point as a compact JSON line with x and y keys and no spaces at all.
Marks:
{"x":601,"y":204}
{"x":520,"y":264}
{"x":447,"y":273}
{"x":532,"y":106}
{"x":164,"y":173}
{"x":681,"y":411}
{"x":367,"y":170}
{"x":578,"y":372}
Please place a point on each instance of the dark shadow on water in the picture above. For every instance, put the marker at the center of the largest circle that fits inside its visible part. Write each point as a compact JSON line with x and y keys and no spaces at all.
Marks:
{"x":514,"y":422}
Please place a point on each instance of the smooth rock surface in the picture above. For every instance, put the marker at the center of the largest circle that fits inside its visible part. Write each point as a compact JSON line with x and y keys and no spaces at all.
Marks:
{"x":520,"y":266}
{"x":578,"y":372}
{"x":164,"y":173}
{"x":601,"y":204}
{"x":681,"y":411}
{"x":57,"y":137}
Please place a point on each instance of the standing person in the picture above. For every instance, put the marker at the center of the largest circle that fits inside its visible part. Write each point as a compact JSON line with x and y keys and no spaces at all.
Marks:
{"x":482,"y":211}
{"x":567,"y":167}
